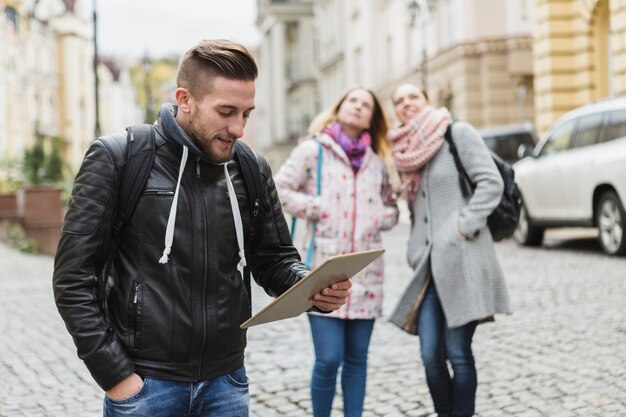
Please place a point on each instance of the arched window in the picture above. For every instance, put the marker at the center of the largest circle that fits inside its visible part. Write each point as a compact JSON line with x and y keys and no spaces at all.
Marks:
{"x":449,"y":103}
{"x":600,"y":56}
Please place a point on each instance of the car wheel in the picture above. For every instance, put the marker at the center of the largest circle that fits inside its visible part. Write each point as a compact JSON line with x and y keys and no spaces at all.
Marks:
{"x":526,"y":233}
{"x":610,"y":221}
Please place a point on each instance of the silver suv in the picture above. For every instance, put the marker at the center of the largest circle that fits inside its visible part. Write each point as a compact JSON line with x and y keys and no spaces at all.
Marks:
{"x":576,"y":176}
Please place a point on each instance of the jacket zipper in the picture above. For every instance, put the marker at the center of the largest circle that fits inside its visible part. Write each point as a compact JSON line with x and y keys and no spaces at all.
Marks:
{"x":135,"y":306}
{"x":204,"y":269}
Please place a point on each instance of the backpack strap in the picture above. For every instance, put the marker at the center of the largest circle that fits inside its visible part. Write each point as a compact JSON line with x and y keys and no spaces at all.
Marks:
{"x":464,"y":179}
{"x":140,"y":151}
{"x":320,"y":155}
{"x":320,"y":158}
{"x":246,"y":158}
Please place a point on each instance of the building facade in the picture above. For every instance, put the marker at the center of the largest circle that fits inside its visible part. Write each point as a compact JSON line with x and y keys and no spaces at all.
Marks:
{"x":47,"y":79}
{"x":118,"y":99}
{"x":473,"y":56}
{"x":47,"y":82}
{"x":286,"y":99}
{"x":579,"y":54}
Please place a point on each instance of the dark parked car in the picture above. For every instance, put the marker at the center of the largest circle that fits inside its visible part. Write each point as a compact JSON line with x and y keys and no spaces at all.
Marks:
{"x":505,"y":141}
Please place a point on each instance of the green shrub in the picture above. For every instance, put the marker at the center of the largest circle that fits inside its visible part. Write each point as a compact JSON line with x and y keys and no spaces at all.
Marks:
{"x":16,"y":237}
{"x":41,"y":167}
{"x":9,"y":175}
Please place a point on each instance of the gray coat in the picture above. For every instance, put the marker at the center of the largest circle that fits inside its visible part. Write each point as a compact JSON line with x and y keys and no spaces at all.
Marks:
{"x":468,"y":277}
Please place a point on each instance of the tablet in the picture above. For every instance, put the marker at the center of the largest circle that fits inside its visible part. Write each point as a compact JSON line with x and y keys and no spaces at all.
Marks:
{"x":296,"y":300}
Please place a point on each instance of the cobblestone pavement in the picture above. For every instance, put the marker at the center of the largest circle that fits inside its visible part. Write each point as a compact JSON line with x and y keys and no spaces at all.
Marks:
{"x":561,"y":354}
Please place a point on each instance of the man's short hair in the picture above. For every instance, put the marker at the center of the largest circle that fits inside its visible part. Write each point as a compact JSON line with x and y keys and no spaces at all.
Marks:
{"x":212,"y":58}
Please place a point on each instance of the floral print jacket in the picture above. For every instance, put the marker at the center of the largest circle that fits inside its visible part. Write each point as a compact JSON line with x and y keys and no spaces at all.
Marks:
{"x":349,"y":213}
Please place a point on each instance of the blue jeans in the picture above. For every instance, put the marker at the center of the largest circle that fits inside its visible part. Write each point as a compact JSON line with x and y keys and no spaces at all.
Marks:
{"x":452,"y":396}
{"x":338,"y":343}
{"x":225,"y":396}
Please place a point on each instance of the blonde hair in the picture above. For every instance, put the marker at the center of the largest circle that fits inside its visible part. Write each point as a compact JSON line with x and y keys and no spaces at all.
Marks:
{"x":378,"y":124}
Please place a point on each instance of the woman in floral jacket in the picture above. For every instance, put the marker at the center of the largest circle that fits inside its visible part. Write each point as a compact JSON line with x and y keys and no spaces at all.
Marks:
{"x":355,"y":203}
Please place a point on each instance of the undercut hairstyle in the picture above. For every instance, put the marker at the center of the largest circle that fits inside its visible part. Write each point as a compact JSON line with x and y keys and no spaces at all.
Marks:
{"x":213,"y":58}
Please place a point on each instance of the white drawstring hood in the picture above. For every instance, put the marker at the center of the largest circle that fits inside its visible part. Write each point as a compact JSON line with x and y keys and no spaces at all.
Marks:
{"x":171,"y":220}
{"x":234,"y":206}
{"x":167,"y":119}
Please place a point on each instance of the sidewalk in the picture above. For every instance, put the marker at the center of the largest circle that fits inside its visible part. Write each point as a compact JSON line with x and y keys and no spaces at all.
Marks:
{"x":561,"y":354}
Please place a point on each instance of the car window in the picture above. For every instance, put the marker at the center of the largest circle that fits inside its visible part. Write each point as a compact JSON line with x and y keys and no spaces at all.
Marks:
{"x":490,"y":141}
{"x":505,"y":146}
{"x":615,"y":127}
{"x":559,"y":139}
{"x":588,"y":130}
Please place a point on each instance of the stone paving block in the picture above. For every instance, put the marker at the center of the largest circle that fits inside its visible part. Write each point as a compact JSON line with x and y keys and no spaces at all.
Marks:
{"x":560,"y":354}
{"x":529,"y":413}
{"x":288,"y":408}
{"x":564,"y":414}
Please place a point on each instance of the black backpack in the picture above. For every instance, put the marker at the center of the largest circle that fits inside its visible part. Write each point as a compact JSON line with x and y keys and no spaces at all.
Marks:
{"x":503,"y":220}
{"x":140,"y":150}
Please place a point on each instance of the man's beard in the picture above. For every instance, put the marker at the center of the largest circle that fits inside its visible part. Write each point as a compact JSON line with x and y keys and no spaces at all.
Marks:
{"x":210,"y":154}
{"x":215,"y":160}
{"x":205,"y":147}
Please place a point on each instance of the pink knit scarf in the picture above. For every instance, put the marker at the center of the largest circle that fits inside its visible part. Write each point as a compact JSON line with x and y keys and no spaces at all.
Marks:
{"x":415,"y":143}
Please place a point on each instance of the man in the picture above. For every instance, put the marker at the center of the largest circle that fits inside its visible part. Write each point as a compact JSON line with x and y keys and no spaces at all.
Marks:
{"x":170,"y":344}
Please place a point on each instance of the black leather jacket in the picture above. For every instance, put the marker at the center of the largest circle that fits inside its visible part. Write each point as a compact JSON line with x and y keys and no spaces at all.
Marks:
{"x":179,"y":320}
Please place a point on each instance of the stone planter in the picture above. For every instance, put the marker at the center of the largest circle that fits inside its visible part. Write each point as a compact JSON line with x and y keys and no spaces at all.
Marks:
{"x":8,"y":205}
{"x":40,"y":213}
{"x":8,"y":213}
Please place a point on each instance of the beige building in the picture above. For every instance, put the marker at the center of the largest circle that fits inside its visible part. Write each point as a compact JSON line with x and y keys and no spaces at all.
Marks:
{"x":474,"y":56}
{"x":47,"y":82}
{"x":286,"y":99}
{"x":579,"y":54}
{"x":118,"y":100}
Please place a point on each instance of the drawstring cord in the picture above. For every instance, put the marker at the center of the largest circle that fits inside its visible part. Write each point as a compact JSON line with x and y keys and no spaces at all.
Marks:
{"x":234,"y":205}
{"x":171,"y":221}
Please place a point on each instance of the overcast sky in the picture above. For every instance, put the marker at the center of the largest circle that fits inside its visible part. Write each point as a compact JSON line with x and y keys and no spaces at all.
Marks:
{"x":130,"y":28}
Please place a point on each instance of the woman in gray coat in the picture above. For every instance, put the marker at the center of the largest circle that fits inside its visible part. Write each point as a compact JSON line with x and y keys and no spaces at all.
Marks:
{"x":457,"y":281}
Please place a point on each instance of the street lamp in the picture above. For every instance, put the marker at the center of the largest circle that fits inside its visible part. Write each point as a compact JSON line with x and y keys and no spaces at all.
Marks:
{"x":416,"y":8}
{"x":146,"y":64}
{"x":96,"y":80}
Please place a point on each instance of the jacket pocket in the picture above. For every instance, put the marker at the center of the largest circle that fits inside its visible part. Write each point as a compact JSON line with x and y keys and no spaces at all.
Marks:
{"x":164,"y":318}
{"x":151,"y":213}
{"x":135,"y":307}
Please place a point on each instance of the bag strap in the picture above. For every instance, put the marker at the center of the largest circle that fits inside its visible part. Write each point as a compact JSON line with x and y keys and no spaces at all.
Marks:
{"x":247,"y":160}
{"x":140,"y":150}
{"x":464,"y":179}
{"x":320,"y":157}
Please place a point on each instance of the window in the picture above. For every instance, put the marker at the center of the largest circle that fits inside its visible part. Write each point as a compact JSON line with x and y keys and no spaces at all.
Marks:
{"x":559,"y":140}
{"x":506,"y":145}
{"x":615,"y":127}
{"x":13,"y":17}
{"x":588,"y":131}
{"x":449,"y":104}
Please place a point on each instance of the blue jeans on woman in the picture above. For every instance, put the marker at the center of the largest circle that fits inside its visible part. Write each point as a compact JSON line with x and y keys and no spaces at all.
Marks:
{"x":338,"y":343}
{"x":225,"y":396}
{"x":453,"y":396}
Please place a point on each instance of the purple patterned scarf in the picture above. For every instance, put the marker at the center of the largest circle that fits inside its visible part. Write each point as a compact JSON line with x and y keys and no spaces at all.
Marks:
{"x":354,"y":148}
